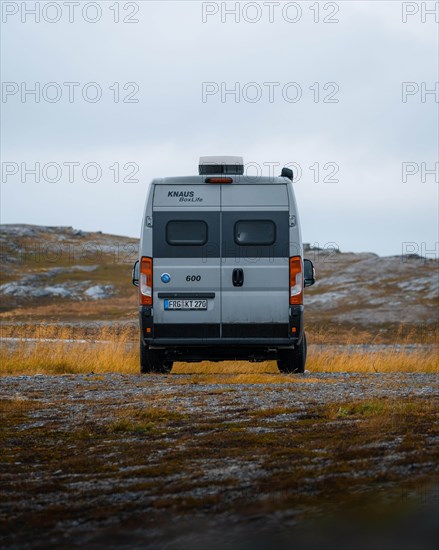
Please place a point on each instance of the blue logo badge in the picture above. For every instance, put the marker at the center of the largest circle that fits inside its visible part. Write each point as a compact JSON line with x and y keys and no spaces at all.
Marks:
{"x":165,"y":277}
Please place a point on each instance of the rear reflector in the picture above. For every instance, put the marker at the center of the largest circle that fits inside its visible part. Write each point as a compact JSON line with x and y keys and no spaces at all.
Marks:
{"x":296,"y":280}
{"x":218,"y":180}
{"x":145,"y":282}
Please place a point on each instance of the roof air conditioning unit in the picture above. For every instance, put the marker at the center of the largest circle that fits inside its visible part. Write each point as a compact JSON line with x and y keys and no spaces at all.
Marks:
{"x":221,"y":165}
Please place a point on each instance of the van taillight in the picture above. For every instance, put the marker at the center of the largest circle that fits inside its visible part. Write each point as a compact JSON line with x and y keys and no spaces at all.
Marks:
{"x":145,"y":281}
{"x":296,"y":280}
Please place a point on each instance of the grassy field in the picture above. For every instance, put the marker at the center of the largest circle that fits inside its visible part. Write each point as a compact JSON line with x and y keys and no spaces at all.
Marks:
{"x":52,"y":349}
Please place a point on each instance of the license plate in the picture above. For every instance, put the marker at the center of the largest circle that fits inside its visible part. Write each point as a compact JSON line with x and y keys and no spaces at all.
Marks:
{"x":185,"y":304}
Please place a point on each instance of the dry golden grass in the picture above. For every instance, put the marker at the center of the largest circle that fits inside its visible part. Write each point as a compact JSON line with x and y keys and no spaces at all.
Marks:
{"x":326,"y":361}
{"x":69,"y":350}
{"x":55,"y":352}
{"x":423,"y":360}
{"x":118,"y":308}
{"x":386,"y":333}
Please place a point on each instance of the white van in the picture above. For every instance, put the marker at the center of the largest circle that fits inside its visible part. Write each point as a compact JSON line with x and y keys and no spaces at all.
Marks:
{"x":220,"y":272}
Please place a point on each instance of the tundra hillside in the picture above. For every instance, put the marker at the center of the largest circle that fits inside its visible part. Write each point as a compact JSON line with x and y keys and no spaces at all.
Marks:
{"x":64,"y":274}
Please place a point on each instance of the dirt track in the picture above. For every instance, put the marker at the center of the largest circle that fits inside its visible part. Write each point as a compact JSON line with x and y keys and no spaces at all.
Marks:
{"x":184,"y":461}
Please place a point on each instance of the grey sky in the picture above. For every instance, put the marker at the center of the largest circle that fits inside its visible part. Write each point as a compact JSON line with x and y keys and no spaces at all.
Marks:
{"x":369,"y":133}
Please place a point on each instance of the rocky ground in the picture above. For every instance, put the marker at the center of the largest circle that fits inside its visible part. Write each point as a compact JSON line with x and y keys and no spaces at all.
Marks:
{"x":63,"y":267}
{"x":186,"y":461}
{"x":366,"y":289}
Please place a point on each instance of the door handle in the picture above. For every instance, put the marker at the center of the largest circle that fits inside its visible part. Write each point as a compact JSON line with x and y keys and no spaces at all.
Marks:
{"x":238,"y":277}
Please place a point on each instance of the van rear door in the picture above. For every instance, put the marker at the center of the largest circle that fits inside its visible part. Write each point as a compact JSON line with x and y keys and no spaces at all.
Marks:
{"x":255,"y":261}
{"x":186,"y":261}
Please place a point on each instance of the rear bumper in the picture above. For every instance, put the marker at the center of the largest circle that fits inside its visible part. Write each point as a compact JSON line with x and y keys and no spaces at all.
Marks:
{"x":181,"y":342}
{"x":261,"y":335}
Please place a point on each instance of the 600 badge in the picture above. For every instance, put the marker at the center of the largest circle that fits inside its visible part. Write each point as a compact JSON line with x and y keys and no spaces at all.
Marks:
{"x":193,"y":278}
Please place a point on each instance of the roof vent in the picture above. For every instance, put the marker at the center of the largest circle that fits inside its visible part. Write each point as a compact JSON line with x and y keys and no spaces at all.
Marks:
{"x":221,"y":165}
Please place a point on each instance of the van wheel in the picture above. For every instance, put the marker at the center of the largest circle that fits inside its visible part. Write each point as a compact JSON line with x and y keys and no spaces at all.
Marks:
{"x":145,"y":362}
{"x":152,"y":360}
{"x":293,"y":360}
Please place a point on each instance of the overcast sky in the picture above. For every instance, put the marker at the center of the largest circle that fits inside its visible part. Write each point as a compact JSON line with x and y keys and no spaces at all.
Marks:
{"x":336,"y":108}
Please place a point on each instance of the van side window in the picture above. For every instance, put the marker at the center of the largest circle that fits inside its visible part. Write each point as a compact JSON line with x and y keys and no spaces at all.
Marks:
{"x":186,"y":232}
{"x":255,"y":232}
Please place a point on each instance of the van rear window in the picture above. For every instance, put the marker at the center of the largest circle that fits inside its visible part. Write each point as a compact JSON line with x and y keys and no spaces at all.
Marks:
{"x":255,"y":232}
{"x":186,"y":232}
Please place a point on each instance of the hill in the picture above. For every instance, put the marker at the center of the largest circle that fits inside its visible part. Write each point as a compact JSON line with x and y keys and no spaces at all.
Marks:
{"x":61,"y":273}
{"x":65,"y":273}
{"x":368,"y":289}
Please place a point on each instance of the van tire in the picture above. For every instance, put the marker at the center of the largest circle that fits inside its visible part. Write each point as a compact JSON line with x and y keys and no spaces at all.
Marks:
{"x":145,"y":360}
{"x":153,"y":361}
{"x":294,"y":360}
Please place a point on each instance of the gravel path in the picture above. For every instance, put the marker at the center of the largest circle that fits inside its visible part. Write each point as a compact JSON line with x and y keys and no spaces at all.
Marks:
{"x":198,"y":461}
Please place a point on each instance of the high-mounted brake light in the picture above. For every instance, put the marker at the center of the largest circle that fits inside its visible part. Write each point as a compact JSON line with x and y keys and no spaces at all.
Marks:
{"x":218,"y":180}
{"x":145,"y":281}
{"x":296,"y":280}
